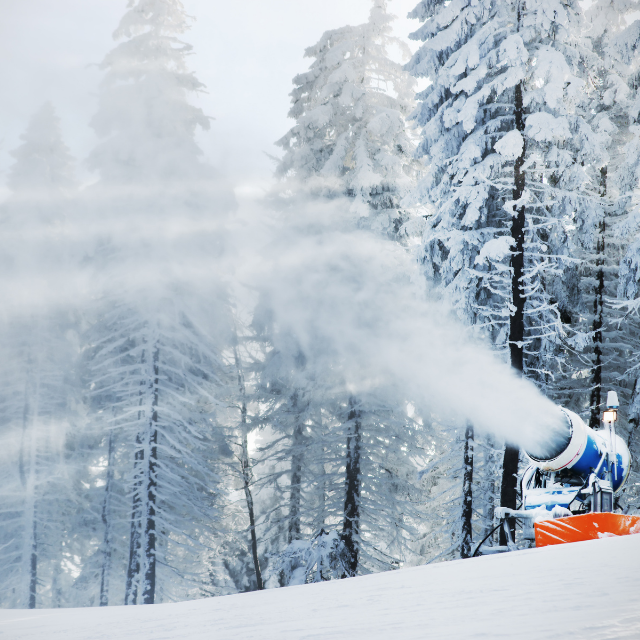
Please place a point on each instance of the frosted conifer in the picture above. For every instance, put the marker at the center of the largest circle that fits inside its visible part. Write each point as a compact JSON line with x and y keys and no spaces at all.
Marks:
{"x":43,"y":162}
{"x":38,"y":348}
{"x":350,"y":137}
{"x":159,"y":333}
{"x":513,"y":151}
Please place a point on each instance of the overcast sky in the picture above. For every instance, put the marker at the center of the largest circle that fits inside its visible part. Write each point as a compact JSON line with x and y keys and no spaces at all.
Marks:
{"x":246,"y":52}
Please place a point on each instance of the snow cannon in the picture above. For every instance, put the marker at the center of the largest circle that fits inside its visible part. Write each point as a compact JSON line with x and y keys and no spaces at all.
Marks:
{"x":578,"y":452}
{"x":569,"y":491}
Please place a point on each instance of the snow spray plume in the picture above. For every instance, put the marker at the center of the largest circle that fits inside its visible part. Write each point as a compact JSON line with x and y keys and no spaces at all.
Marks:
{"x":358,"y":308}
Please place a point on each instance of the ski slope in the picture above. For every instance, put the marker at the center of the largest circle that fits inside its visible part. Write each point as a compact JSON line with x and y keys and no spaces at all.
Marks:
{"x":586,"y":590}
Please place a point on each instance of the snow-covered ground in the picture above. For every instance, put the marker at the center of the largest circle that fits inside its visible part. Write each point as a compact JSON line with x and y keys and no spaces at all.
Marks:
{"x":587,"y":590}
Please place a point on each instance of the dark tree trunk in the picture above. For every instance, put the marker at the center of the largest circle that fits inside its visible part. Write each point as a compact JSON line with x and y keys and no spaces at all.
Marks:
{"x":133,"y":567}
{"x":28,"y":483}
{"x":598,"y":314}
{"x":509,"y":487}
{"x":149,"y":591}
{"x":247,"y":474}
{"x":33,"y":565}
{"x":297,"y":458}
{"x":508,"y":490}
{"x":143,"y":511}
{"x":351,"y":526}
{"x":516,"y":324}
{"x":106,"y":520}
{"x":467,"y":494}
{"x":490,"y":466}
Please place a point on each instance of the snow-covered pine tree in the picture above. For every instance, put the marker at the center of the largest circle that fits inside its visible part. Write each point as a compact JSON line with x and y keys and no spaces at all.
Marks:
{"x":564,"y":152}
{"x":159,"y":333}
{"x":507,"y":142}
{"x":343,"y":454}
{"x":598,"y":341}
{"x":243,"y":455}
{"x":38,"y":350}
{"x":616,"y":35}
{"x":33,"y":479}
{"x":290,"y":420}
{"x":43,"y":164}
{"x":477,"y":56}
{"x":156,"y":382}
{"x":350,"y":137}
{"x":471,"y":61}
{"x":351,"y":465}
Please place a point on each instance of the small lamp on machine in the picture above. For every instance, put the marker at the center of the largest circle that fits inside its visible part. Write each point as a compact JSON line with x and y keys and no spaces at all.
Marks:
{"x":611,"y":414}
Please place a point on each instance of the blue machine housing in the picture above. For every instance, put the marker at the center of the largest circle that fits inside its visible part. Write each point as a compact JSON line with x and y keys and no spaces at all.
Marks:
{"x":549,"y":498}
{"x":580,"y":452}
{"x":590,"y":458}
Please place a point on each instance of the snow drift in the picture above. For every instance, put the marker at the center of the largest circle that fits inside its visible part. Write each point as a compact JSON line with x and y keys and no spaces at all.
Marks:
{"x":530,"y":595}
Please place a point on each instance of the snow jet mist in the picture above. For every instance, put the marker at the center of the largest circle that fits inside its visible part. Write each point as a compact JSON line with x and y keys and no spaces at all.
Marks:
{"x":357,"y":305}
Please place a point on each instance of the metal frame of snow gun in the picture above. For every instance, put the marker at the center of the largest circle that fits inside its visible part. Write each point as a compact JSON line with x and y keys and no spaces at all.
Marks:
{"x":502,"y":513}
{"x":527,"y":518}
{"x":495,"y":549}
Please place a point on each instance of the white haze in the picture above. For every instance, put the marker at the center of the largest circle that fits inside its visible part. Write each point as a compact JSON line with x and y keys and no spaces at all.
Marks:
{"x":357,"y":304}
{"x":246,"y":53}
{"x":360,"y":303}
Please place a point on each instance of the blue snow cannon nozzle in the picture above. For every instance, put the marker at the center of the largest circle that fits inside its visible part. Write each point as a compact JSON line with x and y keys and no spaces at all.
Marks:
{"x":582,"y":450}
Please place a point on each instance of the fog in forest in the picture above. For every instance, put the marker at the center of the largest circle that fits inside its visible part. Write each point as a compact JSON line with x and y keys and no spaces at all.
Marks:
{"x":358,"y":305}
{"x":218,"y":355}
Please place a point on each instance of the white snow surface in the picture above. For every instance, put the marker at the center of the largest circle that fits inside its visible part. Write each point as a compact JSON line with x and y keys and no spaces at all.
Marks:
{"x":510,"y":145}
{"x":586,"y":590}
{"x":544,"y":127}
{"x":495,"y":249}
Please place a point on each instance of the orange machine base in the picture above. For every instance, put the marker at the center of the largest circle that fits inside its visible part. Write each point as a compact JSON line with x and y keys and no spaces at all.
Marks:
{"x":589,"y":526}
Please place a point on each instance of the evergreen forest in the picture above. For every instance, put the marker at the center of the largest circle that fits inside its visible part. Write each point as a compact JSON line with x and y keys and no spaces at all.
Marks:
{"x":200,"y":398}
